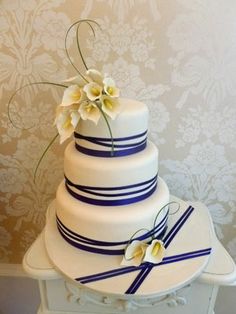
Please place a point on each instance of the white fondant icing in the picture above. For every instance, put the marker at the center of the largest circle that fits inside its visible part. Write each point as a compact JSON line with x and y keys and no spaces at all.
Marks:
{"x":132,"y":120}
{"x":110,"y":172}
{"x":109,"y":223}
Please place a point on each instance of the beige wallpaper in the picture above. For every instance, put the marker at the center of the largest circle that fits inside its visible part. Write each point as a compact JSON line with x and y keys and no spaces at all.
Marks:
{"x":178,"y":56}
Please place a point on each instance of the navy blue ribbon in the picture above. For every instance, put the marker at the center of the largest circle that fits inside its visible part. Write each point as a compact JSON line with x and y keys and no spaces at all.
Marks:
{"x":129,"y":269}
{"x":147,"y":188}
{"x":119,"y":149}
{"x":100,"y":247}
{"x":167,"y":240}
{"x":146,"y":267}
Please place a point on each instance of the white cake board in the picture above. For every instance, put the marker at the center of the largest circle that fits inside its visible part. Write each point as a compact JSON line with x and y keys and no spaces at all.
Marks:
{"x":196,"y":234}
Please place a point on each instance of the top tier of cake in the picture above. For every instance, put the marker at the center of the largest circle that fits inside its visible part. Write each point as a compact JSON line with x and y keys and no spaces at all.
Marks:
{"x":129,"y":132}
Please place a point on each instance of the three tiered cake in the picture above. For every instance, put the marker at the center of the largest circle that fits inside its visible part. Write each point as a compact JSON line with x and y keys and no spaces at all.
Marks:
{"x":107,"y":228}
{"x":111,"y":189}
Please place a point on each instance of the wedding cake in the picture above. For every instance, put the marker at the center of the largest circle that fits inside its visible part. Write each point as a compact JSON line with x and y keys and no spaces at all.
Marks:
{"x":110,"y":194}
{"x":110,"y":226}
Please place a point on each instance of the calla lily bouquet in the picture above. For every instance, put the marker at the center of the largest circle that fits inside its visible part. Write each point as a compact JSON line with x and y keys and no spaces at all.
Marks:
{"x":89,"y":97}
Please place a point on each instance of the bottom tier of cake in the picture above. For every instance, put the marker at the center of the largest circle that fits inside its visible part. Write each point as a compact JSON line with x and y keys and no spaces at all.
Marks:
{"x":109,"y":228}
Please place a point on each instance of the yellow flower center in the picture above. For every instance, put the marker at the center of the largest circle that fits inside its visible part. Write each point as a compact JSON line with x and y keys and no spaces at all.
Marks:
{"x":95,"y":91}
{"x":67,"y":124}
{"x":156,"y":249}
{"x":110,"y":90}
{"x":138,"y":252}
{"x":76,"y":95}
{"x":88,"y":108}
{"x":108,"y":103}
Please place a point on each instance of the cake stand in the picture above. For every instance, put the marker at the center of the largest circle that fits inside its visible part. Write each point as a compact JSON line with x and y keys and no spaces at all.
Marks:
{"x":179,"y":291}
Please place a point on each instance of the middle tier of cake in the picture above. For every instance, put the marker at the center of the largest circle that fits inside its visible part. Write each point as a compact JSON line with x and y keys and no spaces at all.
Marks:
{"x":111,"y":181}
{"x":87,"y":170}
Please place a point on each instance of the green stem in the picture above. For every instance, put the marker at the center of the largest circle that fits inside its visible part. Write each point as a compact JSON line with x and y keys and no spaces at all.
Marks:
{"x":78,"y":23}
{"x":42,"y":156}
{"x":77,"y":39}
{"x":155,"y":220}
{"x":19,"y":89}
{"x":78,"y":46}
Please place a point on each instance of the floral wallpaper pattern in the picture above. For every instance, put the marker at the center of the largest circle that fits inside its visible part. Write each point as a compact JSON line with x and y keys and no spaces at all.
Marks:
{"x":176,"y":56}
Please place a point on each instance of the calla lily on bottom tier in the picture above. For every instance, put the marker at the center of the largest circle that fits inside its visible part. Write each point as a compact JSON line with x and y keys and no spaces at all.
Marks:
{"x":138,"y":252}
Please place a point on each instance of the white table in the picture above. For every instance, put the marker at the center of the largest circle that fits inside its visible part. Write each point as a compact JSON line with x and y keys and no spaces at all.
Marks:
{"x":62,"y":295}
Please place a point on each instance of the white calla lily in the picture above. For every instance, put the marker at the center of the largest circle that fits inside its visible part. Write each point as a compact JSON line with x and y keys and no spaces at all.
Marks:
{"x":134,"y":253}
{"x":66,"y":121}
{"x":95,"y":76}
{"x":72,"y":95}
{"x":76,"y":80}
{"x":110,"y":88}
{"x":110,"y":106}
{"x":155,"y":252}
{"x":87,"y":97}
{"x":93,"y":91}
{"x":89,"y":111}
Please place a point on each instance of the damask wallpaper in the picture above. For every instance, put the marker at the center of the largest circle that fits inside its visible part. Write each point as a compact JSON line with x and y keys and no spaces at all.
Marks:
{"x":178,"y":56}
